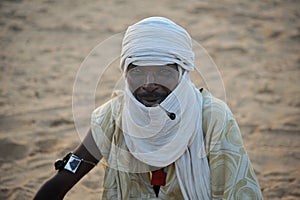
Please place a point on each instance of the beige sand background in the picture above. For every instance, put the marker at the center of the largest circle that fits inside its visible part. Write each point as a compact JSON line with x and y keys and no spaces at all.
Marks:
{"x":255,"y":45}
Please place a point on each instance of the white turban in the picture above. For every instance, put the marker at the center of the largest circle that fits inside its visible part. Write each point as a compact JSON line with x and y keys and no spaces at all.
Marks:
{"x":157,"y":41}
{"x":151,"y":137}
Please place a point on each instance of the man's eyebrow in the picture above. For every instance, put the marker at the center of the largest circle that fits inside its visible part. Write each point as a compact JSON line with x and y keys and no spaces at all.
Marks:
{"x":173,"y":65}
{"x":130,"y":66}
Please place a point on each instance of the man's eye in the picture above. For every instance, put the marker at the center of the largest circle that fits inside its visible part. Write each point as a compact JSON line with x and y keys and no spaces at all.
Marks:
{"x":136,"y":70}
{"x":165,"y":71}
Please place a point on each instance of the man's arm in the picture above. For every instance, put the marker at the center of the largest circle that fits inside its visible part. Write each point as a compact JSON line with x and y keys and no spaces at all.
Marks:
{"x":57,"y":186}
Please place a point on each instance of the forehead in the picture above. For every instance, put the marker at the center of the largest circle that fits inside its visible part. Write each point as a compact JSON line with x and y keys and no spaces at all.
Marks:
{"x":132,"y":66}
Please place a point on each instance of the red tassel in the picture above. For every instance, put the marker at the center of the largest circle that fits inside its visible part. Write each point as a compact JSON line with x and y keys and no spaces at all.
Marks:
{"x":158,"y":177}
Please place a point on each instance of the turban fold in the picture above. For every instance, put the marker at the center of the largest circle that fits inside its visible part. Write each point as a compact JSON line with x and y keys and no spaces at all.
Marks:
{"x":157,"y":41}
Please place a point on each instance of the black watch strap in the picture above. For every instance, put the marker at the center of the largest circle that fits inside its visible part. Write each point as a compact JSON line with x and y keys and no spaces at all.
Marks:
{"x":71,"y":163}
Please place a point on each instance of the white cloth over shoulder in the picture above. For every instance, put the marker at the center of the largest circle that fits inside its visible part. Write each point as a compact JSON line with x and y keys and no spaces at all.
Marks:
{"x":150,"y":135}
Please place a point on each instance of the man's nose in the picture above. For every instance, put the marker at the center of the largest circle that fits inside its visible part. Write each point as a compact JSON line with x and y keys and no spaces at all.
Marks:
{"x":149,"y":84}
{"x":149,"y":78}
{"x":150,"y":87}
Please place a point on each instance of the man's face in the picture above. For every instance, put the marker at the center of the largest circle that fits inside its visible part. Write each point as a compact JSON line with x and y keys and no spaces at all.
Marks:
{"x":152,"y":84}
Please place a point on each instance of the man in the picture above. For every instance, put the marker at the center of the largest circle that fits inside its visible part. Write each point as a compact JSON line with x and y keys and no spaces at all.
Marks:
{"x":161,"y":137}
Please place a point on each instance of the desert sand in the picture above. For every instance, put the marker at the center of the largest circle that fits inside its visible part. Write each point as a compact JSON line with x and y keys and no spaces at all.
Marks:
{"x":254,"y":44}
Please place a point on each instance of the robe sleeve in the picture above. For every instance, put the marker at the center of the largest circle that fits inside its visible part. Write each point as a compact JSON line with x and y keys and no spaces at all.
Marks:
{"x":232,"y":176}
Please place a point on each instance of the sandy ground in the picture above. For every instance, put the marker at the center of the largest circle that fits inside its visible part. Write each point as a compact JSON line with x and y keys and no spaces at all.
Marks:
{"x":255,"y":45}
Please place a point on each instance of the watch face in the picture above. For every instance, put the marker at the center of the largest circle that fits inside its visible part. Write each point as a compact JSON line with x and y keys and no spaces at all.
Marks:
{"x":73,"y":164}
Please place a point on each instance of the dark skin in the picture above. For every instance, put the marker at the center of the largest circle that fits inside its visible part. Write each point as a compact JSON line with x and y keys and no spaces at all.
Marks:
{"x":57,"y":186}
{"x":151,"y":93}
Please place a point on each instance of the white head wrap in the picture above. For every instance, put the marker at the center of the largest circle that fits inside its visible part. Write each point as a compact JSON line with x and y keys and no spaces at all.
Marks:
{"x":150,"y":135}
{"x":157,"y":41}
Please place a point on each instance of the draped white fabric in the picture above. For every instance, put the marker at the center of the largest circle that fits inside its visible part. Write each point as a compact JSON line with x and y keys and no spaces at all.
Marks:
{"x":150,"y":135}
{"x":149,"y":132}
{"x":157,"y":41}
